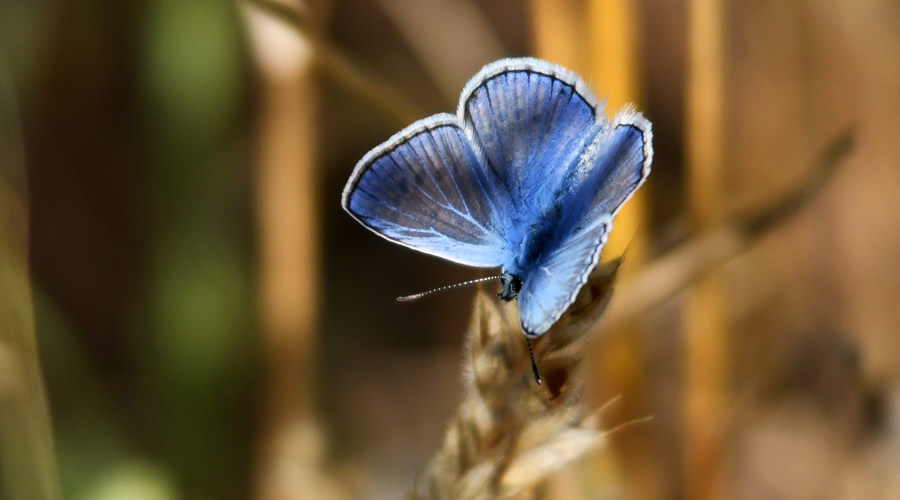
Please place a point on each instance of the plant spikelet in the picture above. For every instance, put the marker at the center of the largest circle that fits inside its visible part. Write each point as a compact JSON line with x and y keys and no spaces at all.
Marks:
{"x":510,"y":433}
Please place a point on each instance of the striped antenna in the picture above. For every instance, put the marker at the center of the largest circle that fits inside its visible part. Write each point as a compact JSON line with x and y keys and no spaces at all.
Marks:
{"x":415,"y":296}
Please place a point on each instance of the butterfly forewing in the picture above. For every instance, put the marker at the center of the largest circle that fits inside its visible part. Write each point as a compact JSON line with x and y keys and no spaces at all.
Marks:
{"x":426,"y":189}
{"x":530,"y":120}
{"x":611,"y":169}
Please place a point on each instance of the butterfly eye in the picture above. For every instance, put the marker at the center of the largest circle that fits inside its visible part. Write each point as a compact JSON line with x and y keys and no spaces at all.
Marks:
{"x":511,"y":286}
{"x":516,"y":284}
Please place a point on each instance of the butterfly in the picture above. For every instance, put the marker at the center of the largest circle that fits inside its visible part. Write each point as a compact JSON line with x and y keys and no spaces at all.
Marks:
{"x":526,"y":176}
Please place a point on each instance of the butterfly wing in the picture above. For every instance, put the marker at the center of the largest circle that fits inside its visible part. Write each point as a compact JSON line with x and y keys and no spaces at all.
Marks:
{"x":425,"y":188}
{"x":611,"y":169}
{"x":552,"y":285}
{"x":528,"y":140}
{"x":529,"y":121}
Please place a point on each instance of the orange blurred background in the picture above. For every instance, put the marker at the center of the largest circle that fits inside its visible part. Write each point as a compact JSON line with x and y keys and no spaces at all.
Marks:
{"x":211,"y":325}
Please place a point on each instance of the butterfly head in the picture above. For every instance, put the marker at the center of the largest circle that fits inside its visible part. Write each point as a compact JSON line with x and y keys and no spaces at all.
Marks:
{"x":511,"y":286}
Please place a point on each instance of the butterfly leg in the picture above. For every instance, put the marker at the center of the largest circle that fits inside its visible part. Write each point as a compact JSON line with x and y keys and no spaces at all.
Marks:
{"x":537,"y":375}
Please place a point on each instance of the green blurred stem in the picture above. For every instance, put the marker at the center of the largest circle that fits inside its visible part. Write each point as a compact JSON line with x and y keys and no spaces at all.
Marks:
{"x":27,"y":459}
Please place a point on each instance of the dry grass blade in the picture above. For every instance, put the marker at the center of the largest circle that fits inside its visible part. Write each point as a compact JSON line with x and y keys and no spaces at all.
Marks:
{"x":707,"y":251}
{"x":509,"y":433}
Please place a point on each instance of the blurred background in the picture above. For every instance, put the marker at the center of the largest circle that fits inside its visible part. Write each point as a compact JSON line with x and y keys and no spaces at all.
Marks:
{"x":211,"y":325}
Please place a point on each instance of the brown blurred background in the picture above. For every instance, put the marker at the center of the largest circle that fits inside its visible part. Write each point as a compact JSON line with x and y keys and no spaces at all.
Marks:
{"x":211,"y":324}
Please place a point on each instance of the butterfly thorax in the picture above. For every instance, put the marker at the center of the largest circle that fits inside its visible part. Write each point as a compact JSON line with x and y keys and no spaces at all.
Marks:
{"x":532,"y":248}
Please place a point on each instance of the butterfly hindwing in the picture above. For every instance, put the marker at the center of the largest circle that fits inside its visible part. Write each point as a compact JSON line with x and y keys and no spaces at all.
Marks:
{"x":425,"y":188}
{"x":551,"y":286}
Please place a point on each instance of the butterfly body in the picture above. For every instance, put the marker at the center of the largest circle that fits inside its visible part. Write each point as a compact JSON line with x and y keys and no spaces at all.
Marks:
{"x":527,"y":176}
{"x":510,"y":285}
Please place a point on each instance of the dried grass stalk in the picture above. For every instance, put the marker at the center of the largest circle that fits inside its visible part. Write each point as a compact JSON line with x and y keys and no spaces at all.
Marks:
{"x":509,"y":433}
{"x":704,"y":252}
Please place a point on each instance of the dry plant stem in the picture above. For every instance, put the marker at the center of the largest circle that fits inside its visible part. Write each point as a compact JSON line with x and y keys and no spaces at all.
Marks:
{"x":705,"y":364}
{"x":341,"y":68}
{"x":509,"y":433}
{"x":703,"y":253}
{"x":292,"y":445}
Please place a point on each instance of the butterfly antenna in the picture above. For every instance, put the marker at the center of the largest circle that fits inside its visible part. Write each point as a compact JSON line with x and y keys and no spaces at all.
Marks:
{"x":407,"y":298}
{"x":537,"y":376}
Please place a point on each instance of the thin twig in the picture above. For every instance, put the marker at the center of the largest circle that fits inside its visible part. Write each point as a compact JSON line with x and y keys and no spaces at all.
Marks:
{"x":674,"y":271}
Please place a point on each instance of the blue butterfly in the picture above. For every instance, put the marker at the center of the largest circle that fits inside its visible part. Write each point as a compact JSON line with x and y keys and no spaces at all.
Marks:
{"x":527,"y":176}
